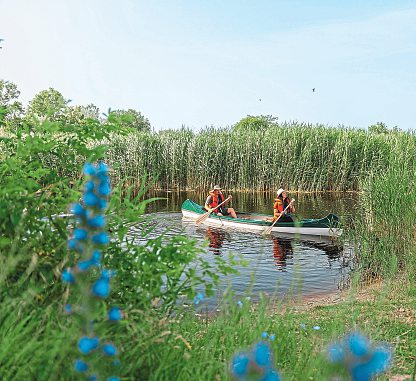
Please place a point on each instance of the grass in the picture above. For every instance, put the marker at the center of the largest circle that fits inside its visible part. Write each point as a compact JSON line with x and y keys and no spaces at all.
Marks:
{"x":37,"y":344}
{"x":296,"y":156}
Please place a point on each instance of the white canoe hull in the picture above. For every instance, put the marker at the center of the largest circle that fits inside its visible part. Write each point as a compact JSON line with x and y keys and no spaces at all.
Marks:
{"x":228,"y":222}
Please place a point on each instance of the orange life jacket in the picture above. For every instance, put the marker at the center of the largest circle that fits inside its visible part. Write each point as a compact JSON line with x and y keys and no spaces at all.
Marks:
{"x":216,"y":200}
{"x":279,"y":206}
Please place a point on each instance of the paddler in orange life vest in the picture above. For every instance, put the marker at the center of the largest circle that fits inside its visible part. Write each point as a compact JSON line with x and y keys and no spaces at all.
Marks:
{"x":215,"y":198}
{"x":280,"y":204}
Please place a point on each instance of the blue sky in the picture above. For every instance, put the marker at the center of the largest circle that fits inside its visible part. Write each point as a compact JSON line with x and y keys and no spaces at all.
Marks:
{"x":202,"y":63}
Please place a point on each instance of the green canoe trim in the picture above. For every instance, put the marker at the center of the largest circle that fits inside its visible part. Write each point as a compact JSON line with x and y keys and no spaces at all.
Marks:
{"x":330,"y":221}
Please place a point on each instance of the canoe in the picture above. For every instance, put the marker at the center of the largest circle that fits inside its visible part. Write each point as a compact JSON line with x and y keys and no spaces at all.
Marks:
{"x":328,"y":226}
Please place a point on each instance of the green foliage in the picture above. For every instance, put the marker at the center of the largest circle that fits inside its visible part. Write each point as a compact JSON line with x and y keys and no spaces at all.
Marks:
{"x":79,"y":115}
{"x":129,"y":119}
{"x":378,"y":128}
{"x":10,"y":108}
{"x":385,"y":231}
{"x":255,"y":123}
{"x":48,"y":104}
{"x":293,"y":155}
{"x":38,"y":179}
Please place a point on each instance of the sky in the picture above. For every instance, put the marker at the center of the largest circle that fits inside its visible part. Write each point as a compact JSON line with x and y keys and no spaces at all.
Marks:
{"x":199,"y":63}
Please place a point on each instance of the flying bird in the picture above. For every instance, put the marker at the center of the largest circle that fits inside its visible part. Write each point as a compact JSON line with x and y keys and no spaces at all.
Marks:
{"x":1,"y":41}
{"x":259,"y":99}
{"x":313,"y":89}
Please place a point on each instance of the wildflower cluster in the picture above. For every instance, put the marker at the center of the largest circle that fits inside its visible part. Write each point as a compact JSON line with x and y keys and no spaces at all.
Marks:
{"x":89,"y":237}
{"x":255,"y":364}
{"x":362,"y":359}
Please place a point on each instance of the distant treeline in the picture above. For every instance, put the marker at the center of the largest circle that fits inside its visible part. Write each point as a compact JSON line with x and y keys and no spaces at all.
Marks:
{"x":290,"y":155}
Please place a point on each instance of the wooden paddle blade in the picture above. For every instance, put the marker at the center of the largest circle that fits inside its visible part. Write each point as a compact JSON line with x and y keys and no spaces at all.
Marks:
{"x":202,"y":218}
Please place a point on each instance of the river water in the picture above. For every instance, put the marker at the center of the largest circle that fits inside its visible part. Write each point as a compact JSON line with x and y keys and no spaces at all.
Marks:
{"x":280,"y":265}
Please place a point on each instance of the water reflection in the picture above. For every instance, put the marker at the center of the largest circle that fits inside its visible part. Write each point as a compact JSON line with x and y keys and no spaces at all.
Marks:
{"x":282,"y":249}
{"x":216,"y":238}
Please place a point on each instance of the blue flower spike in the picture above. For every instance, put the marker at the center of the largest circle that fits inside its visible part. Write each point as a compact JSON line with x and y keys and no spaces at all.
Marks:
{"x":89,"y":236}
{"x":264,"y":335}
{"x":363,"y":360}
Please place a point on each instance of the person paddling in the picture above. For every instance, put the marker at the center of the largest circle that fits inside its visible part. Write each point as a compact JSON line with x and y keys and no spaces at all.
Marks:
{"x":280,"y":204}
{"x":215,"y":198}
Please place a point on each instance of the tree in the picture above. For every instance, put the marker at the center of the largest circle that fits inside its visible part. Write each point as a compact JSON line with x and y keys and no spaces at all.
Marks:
{"x":256,"y":123}
{"x":378,"y":128}
{"x":129,"y":119}
{"x":80,"y":115}
{"x":48,"y":104}
{"x":10,"y":108}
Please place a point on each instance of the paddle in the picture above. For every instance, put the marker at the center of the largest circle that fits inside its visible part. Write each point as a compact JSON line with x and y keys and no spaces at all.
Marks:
{"x":268,"y":230}
{"x":201,"y":219}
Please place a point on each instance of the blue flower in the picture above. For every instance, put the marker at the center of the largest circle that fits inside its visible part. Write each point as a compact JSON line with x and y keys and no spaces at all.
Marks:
{"x":86,"y":344}
{"x":262,"y":354}
{"x":316,"y":327}
{"x":116,"y":362}
{"x":272,"y":337}
{"x":198,"y":298}
{"x":85,"y":265}
{"x":97,"y":221}
{"x":80,"y":366}
{"x":104,"y":188}
{"x":264,"y":335}
{"x":109,"y":349}
{"x":89,"y":186}
{"x":336,"y":352}
{"x":101,"y":288}
{"x":358,"y":344}
{"x":78,"y":210}
{"x":92,"y":377}
{"x":74,"y":244}
{"x":271,"y":375}
{"x":102,"y":204}
{"x":101,"y":238}
{"x":240,"y":303}
{"x":89,"y":169}
{"x":360,"y":358}
{"x":80,"y":234}
{"x":102,"y":168}
{"x":91,"y":199}
{"x":96,"y":257}
{"x":68,"y":309}
{"x":115,"y":314}
{"x":107,"y":274}
{"x":113,"y":378}
{"x":67,"y":276}
{"x":239,"y":364}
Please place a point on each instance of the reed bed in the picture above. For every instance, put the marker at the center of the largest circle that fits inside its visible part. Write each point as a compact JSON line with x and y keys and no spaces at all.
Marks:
{"x":296,"y":156}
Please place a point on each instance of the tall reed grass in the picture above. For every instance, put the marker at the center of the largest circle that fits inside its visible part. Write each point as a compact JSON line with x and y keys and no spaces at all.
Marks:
{"x":385,"y":227}
{"x":296,"y":156}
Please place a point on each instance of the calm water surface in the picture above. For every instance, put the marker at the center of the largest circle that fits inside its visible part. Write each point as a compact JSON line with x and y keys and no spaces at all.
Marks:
{"x":279,"y":264}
